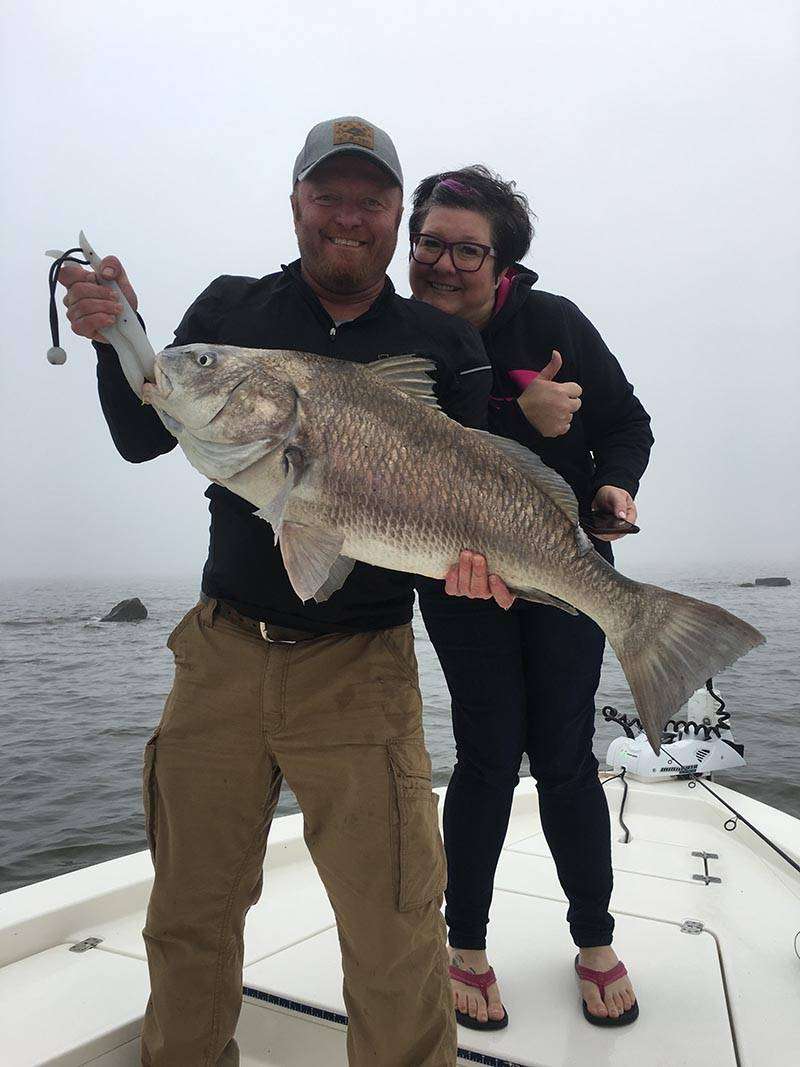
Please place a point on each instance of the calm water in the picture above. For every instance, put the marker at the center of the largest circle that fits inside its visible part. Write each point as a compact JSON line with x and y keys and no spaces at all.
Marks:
{"x":79,"y":699}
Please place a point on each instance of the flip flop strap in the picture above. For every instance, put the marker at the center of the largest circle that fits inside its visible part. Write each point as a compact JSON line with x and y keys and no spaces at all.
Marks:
{"x":601,"y":978}
{"x":477,"y":981}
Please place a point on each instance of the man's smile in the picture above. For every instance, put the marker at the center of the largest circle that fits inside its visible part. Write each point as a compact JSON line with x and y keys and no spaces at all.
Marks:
{"x":345,"y":242}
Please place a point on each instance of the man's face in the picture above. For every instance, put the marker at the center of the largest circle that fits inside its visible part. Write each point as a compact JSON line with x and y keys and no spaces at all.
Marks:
{"x":346,"y":216}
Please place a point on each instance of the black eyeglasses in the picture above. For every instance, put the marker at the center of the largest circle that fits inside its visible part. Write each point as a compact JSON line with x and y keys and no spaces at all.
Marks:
{"x":466,"y":255}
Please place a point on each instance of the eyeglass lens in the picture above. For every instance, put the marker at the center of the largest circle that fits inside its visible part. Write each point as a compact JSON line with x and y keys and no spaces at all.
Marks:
{"x":466,"y":256}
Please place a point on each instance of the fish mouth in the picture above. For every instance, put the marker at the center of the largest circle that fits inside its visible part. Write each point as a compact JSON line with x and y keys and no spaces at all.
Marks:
{"x":159,"y":394}
{"x":227,"y":400}
{"x":157,"y":391}
{"x":163,"y":381}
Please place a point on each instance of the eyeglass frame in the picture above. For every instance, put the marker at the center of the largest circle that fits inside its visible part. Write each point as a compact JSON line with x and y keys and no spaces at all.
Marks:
{"x":448,"y":246}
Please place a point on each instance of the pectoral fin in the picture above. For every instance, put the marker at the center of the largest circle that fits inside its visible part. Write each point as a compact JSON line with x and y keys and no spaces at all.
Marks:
{"x":339,"y":574}
{"x":294,"y":466}
{"x":310,"y":555}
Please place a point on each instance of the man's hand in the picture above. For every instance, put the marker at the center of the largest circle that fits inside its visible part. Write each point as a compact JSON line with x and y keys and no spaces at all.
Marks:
{"x":547,"y":405}
{"x":468,"y":578}
{"x":91,"y":306}
{"x":614,"y":501}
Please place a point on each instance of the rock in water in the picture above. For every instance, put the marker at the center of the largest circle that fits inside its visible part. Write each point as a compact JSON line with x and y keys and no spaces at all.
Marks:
{"x":773,"y":581}
{"x":126,"y":611}
{"x":747,"y":585}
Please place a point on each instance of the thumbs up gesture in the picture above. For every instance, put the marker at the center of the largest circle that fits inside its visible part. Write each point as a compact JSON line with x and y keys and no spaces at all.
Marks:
{"x":548,"y":405}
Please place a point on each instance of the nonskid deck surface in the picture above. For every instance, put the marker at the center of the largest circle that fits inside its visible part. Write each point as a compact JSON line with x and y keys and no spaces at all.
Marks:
{"x":725,"y":995}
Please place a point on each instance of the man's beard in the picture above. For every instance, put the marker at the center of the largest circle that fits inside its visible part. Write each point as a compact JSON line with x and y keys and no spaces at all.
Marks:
{"x":337,"y":277}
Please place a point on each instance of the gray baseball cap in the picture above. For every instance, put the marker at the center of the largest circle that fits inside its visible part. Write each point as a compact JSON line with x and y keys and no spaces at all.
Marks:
{"x":349,"y":135}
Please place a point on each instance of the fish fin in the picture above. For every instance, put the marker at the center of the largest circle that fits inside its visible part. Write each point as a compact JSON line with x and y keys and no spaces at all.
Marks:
{"x":545,"y":479}
{"x":602,"y":522}
{"x":670,"y":646}
{"x":339,"y":574}
{"x":220,"y":461}
{"x":309,"y":555}
{"x":294,"y":465}
{"x":409,"y":374}
{"x":537,"y":596}
{"x":272,"y":513}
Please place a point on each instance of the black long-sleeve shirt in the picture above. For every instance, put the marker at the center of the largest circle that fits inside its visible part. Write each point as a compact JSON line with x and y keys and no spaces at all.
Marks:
{"x":280,"y":311}
{"x":609,"y":440}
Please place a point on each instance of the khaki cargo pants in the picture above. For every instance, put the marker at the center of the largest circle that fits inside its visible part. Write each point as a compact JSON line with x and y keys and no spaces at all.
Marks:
{"x":340,"y":718}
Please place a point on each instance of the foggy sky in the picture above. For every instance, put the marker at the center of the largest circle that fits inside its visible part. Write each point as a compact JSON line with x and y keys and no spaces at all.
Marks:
{"x":657,"y":143}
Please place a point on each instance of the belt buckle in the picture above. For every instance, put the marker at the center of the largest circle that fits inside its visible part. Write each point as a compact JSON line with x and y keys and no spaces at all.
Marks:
{"x":272,"y":640}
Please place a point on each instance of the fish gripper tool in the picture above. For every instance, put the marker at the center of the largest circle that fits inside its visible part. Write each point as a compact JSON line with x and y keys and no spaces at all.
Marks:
{"x":126,"y":336}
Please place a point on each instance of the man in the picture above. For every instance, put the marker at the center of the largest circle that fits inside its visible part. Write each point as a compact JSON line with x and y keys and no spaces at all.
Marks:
{"x":266,"y":686}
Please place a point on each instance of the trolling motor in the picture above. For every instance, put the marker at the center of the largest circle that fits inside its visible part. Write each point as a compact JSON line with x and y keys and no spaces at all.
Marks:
{"x":692,"y":744}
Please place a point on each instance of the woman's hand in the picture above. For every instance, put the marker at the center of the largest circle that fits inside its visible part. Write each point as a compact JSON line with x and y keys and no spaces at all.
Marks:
{"x":547,"y":405}
{"x":614,"y":501}
{"x":468,"y":578}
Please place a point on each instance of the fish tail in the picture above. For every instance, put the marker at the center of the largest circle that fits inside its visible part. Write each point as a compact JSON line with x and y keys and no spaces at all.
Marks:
{"x":669,"y":645}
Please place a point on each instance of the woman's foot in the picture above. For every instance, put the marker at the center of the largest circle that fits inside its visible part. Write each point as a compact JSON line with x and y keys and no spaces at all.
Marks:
{"x":468,"y":1000}
{"x":619,"y":995}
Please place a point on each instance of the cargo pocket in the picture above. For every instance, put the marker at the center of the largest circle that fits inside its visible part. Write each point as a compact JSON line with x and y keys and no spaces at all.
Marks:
{"x":150,"y":792}
{"x":420,"y":870}
{"x":187,"y":618}
{"x":399,"y":643}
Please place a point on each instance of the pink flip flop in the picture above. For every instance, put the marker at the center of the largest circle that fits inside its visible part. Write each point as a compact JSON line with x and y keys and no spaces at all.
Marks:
{"x":481,"y":982}
{"x":601,"y":979}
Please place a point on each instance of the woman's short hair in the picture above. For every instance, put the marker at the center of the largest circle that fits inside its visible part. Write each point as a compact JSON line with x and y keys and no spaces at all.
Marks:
{"x":476,"y":188}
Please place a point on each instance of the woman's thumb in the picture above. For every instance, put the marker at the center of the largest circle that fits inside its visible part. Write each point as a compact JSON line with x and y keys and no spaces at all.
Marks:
{"x":552,"y":368}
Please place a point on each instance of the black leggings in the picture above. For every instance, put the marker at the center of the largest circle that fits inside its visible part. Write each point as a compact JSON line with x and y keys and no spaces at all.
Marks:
{"x":522,"y":681}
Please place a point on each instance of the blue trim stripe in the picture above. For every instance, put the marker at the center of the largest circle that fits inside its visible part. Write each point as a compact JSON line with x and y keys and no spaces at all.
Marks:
{"x":296,"y":1005}
{"x":336,"y":1017}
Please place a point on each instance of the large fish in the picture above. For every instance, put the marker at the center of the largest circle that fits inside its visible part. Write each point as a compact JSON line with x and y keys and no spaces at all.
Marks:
{"x":348,"y":461}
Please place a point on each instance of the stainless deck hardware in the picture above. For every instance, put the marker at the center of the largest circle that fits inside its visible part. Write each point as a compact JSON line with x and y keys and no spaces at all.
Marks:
{"x":706,"y":877}
{"x":84,"y":946}
{"x":692,"y":926}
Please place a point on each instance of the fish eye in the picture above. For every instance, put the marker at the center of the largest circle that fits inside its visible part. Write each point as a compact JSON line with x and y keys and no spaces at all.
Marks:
{"x":205,"y":359}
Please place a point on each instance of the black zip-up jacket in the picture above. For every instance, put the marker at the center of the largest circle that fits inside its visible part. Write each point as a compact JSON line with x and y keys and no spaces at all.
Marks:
{"x":281,"y":311}
{"x":609,"y":440}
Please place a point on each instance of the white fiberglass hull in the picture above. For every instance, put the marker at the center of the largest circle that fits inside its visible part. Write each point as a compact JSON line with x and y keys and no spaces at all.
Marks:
{"x":721,"y":990}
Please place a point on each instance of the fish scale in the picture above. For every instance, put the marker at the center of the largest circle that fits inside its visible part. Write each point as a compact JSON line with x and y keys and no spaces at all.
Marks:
{"x":345,"y":465}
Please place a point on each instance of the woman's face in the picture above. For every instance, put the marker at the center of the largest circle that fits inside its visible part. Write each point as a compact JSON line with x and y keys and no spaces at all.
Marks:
{"x":468,"y":294}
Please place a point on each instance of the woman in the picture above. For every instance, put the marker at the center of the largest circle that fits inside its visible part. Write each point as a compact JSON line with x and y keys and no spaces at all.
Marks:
{"x":523,"y":681}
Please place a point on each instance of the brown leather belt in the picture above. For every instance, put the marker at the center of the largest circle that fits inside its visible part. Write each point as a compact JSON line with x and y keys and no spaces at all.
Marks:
{"x":282,"y":635}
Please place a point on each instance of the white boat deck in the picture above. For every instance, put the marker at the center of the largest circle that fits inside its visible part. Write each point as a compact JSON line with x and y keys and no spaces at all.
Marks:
{"x":729,"y":995}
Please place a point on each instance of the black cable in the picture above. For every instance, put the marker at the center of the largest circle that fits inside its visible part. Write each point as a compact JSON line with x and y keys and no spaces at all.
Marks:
{"x":624,"y":798}
{"x":675,"y":726}
{"x":52,"y":279}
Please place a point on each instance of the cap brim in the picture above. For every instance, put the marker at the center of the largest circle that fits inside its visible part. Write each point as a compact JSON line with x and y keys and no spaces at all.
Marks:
{"x":351,"y":150}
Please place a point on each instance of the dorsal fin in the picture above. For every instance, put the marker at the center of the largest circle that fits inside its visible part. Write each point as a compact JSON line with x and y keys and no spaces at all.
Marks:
{"x":409,"y":374}
{"x":544,"y":478}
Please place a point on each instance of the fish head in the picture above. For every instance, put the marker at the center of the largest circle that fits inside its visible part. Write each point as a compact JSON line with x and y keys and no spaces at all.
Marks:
{"x":222,"y":393}
{"x":228,"y":407}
